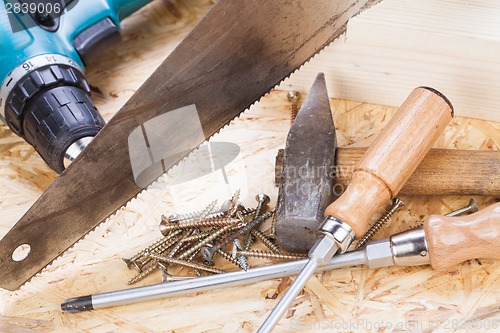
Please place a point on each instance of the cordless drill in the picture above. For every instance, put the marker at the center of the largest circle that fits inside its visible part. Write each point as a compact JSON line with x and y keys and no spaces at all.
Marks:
{"x":44,"y":48}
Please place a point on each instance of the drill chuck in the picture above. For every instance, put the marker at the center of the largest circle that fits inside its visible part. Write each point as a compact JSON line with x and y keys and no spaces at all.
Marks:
{"x":50,"y":108}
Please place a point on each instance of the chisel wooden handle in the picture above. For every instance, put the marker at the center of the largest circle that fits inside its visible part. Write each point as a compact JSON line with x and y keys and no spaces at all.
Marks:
{"x":442,"y":172}
{"x":392,"y":158}
{"x":452,"y":240}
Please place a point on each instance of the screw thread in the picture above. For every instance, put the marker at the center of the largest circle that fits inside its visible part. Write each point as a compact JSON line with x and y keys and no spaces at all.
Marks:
{"x":271,"y":255}
{"x":293,"y":111}
{"x":176,"y":248}
{"x":266,"y":241}
{"x":229,"y":258}
{"x":186,"y":263}
{"x":197,"y":237}
{"x":143,"y":274}
{"x":204,"y":223}
{"x":151,"y":247}
{"x":242,"y":261}
{"x":293,"y":97}
{"x":162,"y":248}
{"x":241,"y":231}
{"x":192,"y":255}
{"x":273,"y":227}
{"x":176,"y":218}
{"x":249,"y":241}
{"x":141,"y":262}
{"x":247,"y":211}
{"x":205,"y":241}
{"x":233,"y":207}
{"x":396,"y":204}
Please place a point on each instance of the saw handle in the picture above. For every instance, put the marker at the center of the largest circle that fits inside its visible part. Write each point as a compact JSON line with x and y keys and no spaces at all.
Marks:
{"x":452,"y":240}
{"x":392,"y":158}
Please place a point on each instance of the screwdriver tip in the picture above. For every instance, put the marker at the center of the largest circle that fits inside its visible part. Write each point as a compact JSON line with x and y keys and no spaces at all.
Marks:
{"x":77,"y":304}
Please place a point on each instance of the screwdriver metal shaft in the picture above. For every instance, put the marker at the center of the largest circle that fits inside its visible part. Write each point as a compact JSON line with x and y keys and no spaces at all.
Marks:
{"x":320,"y":253}
{"x":206,"y":283}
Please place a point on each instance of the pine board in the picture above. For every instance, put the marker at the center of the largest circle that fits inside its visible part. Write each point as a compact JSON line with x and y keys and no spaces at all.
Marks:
{"x":357,"y":299}
{"x":450,"y":45}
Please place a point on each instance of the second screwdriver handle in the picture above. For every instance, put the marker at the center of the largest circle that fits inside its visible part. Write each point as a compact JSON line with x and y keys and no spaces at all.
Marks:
{"x":393,"y":157}
{"x":452,"y":240}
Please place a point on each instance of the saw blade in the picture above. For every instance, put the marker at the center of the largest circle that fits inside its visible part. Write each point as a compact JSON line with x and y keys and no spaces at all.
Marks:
{"x":237,"y":53}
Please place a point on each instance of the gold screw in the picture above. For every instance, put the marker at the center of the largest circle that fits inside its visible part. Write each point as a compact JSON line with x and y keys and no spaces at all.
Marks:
{"x":209,"y":252}
{"x":207,"y":240}
{"x":271,"y":255}
{"x":143,"y":274}
{"x":191,"y":216}
{"x":396,"y":204}
{"x":293,"y":98}
{"x":151,"y":247}
{"x":266,"y":241}
{"x":185,"y":263}
{"x":228,"y":257}
{"x":234,"y":206}
{"x":197,"y":237}
{"x":204,"y":223}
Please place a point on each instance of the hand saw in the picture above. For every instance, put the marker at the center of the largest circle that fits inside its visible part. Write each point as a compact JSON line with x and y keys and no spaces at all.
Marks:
{"x":237,"y":53}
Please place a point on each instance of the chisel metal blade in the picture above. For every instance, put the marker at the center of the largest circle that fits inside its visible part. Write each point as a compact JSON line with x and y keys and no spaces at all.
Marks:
{"x":308,"y":172}
{"x":235,"y":55}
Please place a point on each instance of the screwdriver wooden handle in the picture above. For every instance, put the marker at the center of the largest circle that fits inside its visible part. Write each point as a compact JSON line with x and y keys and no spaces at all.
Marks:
{"x":392,"y":158}
{"x":452,"y":240}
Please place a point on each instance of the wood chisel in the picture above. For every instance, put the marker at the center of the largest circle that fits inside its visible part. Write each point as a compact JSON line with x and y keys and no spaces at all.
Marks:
{"x":442,"y":242}
{"x":311,"y":172}
{"x":377,"y":178}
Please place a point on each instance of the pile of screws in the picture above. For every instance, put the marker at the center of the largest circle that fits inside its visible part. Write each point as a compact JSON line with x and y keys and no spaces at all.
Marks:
{"x":192,"y":240}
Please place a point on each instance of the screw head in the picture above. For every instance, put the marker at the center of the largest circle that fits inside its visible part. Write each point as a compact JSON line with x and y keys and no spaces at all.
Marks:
{"x":293,"y":96}
{"x":262,"y":198}
{"x":396,"y":203}
{"x":208,"y":255}
{"x":227,"y":205}
{"x":128,"y":262}
{"x":164,"y":227}
{"x":472,"y":206}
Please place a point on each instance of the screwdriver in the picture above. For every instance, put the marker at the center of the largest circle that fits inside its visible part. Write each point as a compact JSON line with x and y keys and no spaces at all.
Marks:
{"x":377,"y":178}
{"x":422,"y":246}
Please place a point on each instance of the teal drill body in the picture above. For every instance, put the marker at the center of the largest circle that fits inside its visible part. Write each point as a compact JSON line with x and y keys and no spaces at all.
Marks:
{"x":50,"y":59}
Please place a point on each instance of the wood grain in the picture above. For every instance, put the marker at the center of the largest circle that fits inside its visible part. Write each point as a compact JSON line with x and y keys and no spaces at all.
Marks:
{"x":453,"y":240}
{"x":442,"y":172}
{"x":391,"y":159}
{"x":450,"y":45}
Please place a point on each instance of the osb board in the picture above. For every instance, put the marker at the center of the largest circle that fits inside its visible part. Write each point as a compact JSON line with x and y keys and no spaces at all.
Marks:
{"x":354,"y":299}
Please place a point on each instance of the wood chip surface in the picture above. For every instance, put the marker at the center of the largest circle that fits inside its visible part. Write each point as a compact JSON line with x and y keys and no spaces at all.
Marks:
{"x":396,"y":299}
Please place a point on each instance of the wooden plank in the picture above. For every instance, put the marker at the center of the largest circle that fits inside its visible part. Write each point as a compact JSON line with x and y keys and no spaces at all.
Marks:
{"x":443,"y":171}
{"x":397,"y":45}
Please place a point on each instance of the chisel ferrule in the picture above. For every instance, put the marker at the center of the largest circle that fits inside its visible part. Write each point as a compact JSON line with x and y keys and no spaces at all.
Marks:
{"x":342,"y":233}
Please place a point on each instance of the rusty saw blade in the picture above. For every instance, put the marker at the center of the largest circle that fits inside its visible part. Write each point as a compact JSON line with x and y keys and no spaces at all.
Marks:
{"x":236,"y":54}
